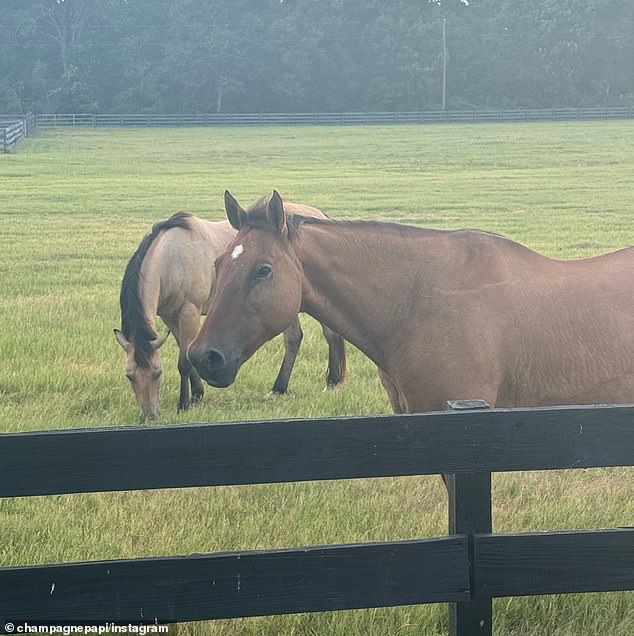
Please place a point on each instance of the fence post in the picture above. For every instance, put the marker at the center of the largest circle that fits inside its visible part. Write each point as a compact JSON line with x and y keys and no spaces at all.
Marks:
{"x":470,"y":513}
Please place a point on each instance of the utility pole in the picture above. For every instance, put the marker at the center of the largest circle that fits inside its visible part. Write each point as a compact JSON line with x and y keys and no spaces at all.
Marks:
{"x":444,"y":63}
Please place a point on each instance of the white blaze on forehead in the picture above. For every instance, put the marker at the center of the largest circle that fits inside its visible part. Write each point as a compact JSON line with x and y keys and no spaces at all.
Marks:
{"x":237,"y":250}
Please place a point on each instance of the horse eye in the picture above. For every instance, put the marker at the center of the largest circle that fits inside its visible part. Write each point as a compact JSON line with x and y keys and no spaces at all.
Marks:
{"x":130,"y":376}
{"x":264,"y":271}
{"x":157,"y":374}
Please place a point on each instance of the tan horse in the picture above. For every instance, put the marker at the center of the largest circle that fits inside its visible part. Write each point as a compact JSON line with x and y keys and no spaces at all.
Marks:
{"x":444,"y":314}
{"x":171,"y":275}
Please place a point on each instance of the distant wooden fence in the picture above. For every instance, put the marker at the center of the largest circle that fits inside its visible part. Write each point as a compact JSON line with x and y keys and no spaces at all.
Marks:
{"x":341,"y":119}
{"x":15,"y":129}
{"x":467,"y":568}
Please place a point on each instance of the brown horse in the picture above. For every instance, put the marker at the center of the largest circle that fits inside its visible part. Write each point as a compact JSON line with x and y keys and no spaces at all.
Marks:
{"x":444,"y":314}
{"x":171,"y":275}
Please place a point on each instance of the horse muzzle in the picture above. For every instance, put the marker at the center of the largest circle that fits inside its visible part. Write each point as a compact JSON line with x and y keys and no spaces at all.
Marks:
{"x":212,"y":366}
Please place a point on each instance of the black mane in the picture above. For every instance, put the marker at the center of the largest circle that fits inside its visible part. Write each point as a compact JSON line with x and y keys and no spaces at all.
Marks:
{"x":134,"y":322}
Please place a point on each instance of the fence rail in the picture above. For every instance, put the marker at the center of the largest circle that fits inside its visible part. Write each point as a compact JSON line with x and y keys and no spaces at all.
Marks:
{"x":467,"y":568}
{"x":15,"y":129}
{"x":342,"y":119}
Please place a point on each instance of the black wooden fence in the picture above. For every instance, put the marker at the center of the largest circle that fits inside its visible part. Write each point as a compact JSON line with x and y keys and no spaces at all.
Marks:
{"x":341,"y":119}
{"x":15,"y":129}
{"x":467,"y":568}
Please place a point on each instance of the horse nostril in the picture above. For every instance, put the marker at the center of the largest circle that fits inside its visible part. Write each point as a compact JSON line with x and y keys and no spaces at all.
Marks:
{"x":206,"y":361}
{"x":214,"y":359}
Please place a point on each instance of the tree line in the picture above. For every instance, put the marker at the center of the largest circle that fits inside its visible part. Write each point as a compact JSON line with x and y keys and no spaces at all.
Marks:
{"x":195,"y":56}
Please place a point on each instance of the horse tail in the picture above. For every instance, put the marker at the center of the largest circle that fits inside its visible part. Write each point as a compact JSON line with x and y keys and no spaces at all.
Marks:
{"x":135,"y":324}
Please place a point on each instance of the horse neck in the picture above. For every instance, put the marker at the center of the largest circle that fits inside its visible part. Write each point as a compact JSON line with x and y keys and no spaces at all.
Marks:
{"x":358,"y":279}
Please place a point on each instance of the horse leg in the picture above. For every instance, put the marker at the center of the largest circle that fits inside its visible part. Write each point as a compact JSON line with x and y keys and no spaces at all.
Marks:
{"x":398,"y":404}
{"x":336,"y":358}
{"x":184,"y":371}
{"x":196,"y":385}
{"x":292,"y":340}
{"x":185,"y":327}
{"x":189,"y":376}
{"x":190,"y":325}
{"x":184,"y":366}
{"x":394,"y":395}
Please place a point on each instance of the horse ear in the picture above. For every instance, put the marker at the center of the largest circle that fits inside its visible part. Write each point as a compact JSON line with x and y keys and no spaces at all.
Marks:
{"x":236,"y":215}
{"x":275,"y":212}
{"x":121,"y":339}
{"x":157,"y":343}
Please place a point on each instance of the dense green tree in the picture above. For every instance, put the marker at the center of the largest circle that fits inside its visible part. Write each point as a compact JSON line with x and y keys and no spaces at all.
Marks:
{"x":307,"y":55}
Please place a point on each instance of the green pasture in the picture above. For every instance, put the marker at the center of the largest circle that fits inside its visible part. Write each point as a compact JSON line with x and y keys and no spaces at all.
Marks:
{"x":74,"y":205}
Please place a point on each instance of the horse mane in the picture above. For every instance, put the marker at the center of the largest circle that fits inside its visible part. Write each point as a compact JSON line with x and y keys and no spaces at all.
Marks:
{"x":297,"y":220}
{"x":257,"y":218}
{"x":257,"y":213}
{"x":134,"y":322}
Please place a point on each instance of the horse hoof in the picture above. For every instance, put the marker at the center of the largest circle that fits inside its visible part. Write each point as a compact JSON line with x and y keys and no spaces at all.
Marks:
{"x":273,"y":395}
{"x":331,"y":386}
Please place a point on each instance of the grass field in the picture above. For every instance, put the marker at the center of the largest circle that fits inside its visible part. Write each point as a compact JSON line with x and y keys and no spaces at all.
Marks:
{"x":75,"y":204}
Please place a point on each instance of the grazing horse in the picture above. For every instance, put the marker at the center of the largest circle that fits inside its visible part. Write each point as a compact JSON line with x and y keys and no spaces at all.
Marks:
{"x":443,"y":314}
{"x":171,"y":275}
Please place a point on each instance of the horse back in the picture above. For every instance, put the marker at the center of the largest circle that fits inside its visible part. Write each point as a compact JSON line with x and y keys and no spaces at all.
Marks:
{"x":492,"y":318}
{"x":179,"y":268}
{"x":569,"y":332}
{"x":304,"y":210}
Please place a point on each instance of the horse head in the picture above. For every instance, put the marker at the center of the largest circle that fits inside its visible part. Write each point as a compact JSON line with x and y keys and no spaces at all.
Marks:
{"x":144,"y":371}
{"x":259,"y":283}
